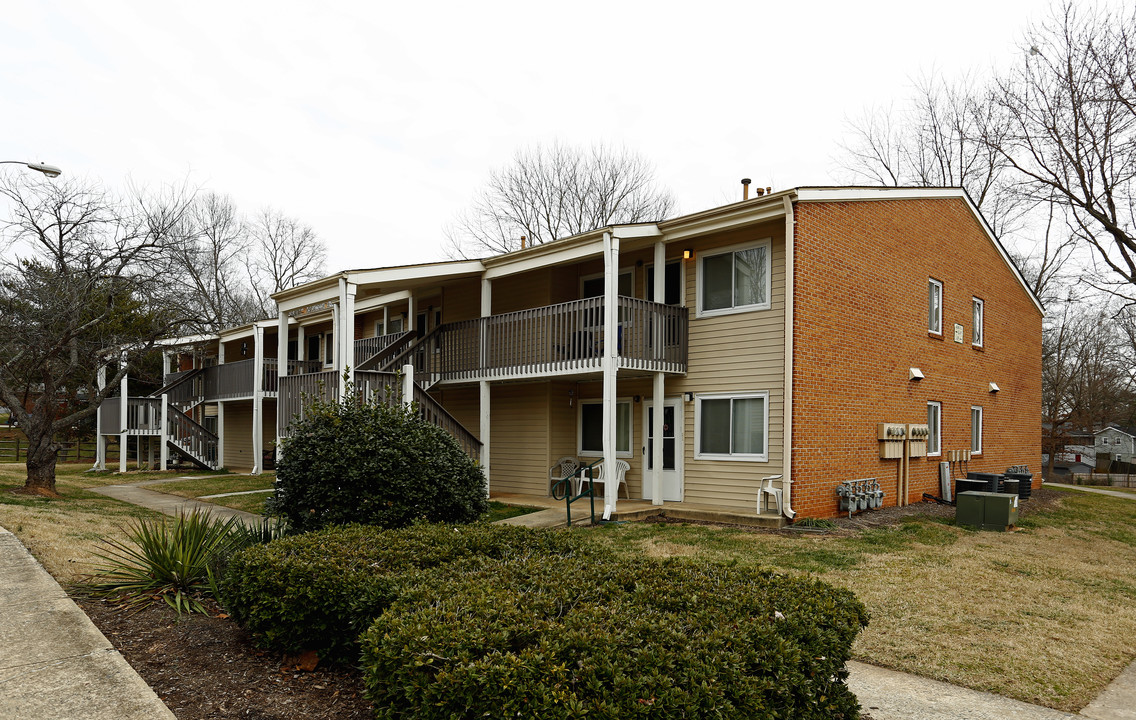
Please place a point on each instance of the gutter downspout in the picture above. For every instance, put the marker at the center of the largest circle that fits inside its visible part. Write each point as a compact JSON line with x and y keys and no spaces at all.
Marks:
{"x":787,"y":401}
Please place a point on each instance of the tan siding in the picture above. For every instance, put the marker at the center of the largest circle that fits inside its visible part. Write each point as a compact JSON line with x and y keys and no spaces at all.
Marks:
{"x":365,"y":323}
{"x":462,"y":403}
{"x":238,"y":435}
{"x":519,"y":443}
{"x":461,"y":301}
{"x":521,"y":292}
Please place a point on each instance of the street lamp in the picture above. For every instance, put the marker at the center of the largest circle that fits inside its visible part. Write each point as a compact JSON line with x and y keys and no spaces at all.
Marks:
{"x":49,"y":170}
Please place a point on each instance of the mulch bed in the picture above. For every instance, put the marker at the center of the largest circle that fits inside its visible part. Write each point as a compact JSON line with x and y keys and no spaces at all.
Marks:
{"x":204,"y":666}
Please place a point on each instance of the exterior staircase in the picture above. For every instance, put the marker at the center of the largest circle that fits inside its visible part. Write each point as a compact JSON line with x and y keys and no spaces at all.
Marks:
{"x":190,"y":440}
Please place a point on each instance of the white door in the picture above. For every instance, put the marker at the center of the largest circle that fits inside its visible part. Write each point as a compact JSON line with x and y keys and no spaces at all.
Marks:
{"x":672,"y":450}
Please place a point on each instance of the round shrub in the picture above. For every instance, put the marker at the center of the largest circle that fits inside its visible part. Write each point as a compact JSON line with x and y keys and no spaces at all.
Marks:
{"x":320,"y":590}
{"x":375,"y":464}
{"x":544,"y":638}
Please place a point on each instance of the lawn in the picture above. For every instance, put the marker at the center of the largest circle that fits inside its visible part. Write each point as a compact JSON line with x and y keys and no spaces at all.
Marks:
{"x":1046,"y":614}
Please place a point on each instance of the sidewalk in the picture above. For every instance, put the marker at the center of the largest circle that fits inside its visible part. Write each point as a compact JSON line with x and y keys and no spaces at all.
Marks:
{"x":54,"y":663}
{"x":1097,"y":490}
{"x":170,"y":504}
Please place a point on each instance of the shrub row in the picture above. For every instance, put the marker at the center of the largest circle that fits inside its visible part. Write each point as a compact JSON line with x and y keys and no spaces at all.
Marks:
{"x":543,"y":637}
{"x":320,"y":590}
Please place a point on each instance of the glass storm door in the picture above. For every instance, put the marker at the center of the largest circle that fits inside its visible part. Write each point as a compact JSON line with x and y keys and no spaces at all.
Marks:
{"x":672,"y":450}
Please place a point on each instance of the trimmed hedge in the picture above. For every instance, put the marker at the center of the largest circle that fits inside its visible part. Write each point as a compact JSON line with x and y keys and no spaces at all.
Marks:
{"x":375,"y":464}
{"x":554,"y":638}
{"x":321,"y":590}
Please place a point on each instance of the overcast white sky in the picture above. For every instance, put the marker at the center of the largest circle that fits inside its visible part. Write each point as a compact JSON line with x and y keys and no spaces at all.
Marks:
{"x":375,"y":122}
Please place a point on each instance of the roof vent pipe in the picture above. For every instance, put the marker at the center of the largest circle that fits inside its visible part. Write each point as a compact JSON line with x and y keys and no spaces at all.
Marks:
{"x":745,"y":188}
{"x":760,"y":192}
{"x":523,"y":239}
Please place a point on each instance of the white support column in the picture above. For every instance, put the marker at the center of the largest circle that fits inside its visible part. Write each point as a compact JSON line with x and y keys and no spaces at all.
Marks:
{"x":347,"y":336}
{"x":220,"y":434}
{"x":336,"y":334}
{"x":164,"y":449}
{"x":257,"y":400}
{"x":149,"y":452}
{"x":100,"y":439}
{"x":407,"y":385}
{"x":659,"y":395}
{"x":411,"y":313}
{"x":609,"y":364}
{"x":281,"y":345}
{"x":123,"y":412}
{"x":484,"y":429}
{"x":166,"y":355}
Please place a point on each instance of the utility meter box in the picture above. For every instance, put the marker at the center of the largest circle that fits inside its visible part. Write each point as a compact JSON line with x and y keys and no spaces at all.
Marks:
{"x":917,"y":445}
{"x":986,"y":510}
{"x":891,"y":437}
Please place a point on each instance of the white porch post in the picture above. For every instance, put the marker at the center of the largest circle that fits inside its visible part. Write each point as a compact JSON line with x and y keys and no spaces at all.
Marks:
{"x":347,"y":336}
{"x":100,"y":439}
{"x":610,"y":367}
{"x":411,"y":313}
{"x":386,"y":320}
{"x":220,"y":433}
{"x":336,"y":326}
{"x":257,"y":400}
{"x":301,"y":344}
{"x":485,"y":427}
{"x":123,"y":411}
{"x":407,"y":385}
{"x":659,"y":387}
{"x":164,"y":450}
{"x":281,"y":345}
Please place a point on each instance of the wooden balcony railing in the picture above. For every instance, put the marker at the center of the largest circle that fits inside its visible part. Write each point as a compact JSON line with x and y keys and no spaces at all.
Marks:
{"x":143,"y":416}
{"x":366,"y":348}
{"x":295,"y":393}
{"x":551,"y":340}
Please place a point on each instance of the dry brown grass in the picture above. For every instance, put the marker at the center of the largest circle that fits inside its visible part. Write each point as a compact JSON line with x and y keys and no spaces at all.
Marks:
{"x":1046,"y":614}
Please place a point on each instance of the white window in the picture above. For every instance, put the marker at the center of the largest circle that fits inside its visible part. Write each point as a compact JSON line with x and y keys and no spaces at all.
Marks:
{"x":732,"y":426}
{"x":934,"y":425}
{"x":590,"y":430}
{"x":1104,"y":441}
{"x":934,"y":306}
{"x":976,"y":337}
{"x":734,"y":280}
{"x":976,"y":430}
{"x":328,"y":349}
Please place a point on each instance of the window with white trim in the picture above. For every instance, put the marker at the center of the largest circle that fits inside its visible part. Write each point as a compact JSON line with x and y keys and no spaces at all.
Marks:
{"x":328,"y":349}
{"x":934,"y":306}
{"x":935,"y":428}
{"x":975,"y":430}
{"x":590,"y":429}
{"x":732,"y":426}
{"x":979,"y":311}
{"x":735,"y":280}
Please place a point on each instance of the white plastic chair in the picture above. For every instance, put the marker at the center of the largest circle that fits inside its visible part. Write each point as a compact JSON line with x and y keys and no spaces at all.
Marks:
{"x":621,"y":468}
{"x":564,"y":467}
{"x":766,"y":491}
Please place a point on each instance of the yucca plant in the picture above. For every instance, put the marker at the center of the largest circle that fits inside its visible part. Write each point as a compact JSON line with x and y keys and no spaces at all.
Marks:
{"x":169,"y":559}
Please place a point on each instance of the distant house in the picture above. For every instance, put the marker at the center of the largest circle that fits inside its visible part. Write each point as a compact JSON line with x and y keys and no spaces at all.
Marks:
{"x":1117,"y":442}
{"x":817,"y":334}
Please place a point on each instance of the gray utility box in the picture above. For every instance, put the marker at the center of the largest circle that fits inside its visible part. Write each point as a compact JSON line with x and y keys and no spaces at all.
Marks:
{"x":986,"y":510}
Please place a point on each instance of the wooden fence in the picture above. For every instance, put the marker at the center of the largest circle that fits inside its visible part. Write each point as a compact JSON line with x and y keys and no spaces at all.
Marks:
{"x":16,"y":450}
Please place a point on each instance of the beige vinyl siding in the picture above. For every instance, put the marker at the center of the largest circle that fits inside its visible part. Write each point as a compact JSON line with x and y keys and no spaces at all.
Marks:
{"x":365,"y":323}
{"x":462,"y":403}
{"x":562,"y":409}
{"x":521,"y":292}
{"x":740,"y":352}
{"x":238,"y":435}
{"x":519,"y":444}
{"x":461,"y":301}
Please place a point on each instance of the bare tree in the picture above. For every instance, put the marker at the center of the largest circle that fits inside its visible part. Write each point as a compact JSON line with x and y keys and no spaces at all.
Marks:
{"x":1070,"y":108}
{"x":284,"y":252}
{"x":938,"y":139}
{"x":552,"y":192}
{"x":80,"y":275}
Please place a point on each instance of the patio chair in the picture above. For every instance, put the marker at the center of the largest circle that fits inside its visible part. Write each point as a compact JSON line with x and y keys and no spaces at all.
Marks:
{"x":621,"y":468}
{"x":564,"y":467}
{"x":766,"y":491}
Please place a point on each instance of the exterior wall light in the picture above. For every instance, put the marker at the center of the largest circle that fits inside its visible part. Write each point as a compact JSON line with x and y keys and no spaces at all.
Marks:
{"x":688,"y":254}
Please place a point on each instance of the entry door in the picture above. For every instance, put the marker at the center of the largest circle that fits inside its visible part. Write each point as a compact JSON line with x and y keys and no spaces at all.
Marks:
{"x":672,"y":450}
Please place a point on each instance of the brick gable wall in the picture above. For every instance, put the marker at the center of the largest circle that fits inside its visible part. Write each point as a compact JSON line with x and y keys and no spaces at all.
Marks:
{"x":860,"y":322}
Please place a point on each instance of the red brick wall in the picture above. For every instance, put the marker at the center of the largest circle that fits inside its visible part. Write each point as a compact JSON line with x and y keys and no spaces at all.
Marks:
{"x":860,"y":322}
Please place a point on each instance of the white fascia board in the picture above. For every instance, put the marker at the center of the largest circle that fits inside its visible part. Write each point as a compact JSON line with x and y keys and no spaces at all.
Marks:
{"x":737,"y":215}
{"x":379,"y":300}
{"x":917,"y":193}
{"x":238,"y":332}
{"x":427,"y":273}
{"x":330,"y":292}
{"x":557,"y":257}
{"x":1113,"y":429}
{"x":630,"y":232}
{"x":186,"y":340}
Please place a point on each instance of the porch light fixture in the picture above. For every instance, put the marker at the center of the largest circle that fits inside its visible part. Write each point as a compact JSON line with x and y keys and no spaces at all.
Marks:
{"x":571,"y":397}
{"x":994,"y":387}
{"x":244,"y":348}
{"x":914,"y":374}
{"x":689,"y":397}
{"x":49,"y":170}
{"x":688,"y":254}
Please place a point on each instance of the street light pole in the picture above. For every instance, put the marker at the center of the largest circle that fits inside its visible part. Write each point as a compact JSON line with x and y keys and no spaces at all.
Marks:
{"x":49,"y":170}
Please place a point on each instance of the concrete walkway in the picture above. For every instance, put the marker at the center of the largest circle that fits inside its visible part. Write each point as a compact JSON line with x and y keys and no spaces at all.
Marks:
{"x":54,"y":663}
{"x":1097,"y":490}
{"x":171,"y":504}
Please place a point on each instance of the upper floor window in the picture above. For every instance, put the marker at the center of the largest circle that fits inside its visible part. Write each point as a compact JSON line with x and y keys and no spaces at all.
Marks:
{"x":979,"y":310}
{"x":934,"y":426}
{"x":734,"y":279}
{"x":934,"y":306}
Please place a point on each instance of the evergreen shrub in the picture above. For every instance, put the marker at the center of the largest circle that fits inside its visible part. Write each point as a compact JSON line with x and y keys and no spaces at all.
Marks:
{"x":320,"y":590}
{"x":544,"y":638}
{"x":375,"y":464}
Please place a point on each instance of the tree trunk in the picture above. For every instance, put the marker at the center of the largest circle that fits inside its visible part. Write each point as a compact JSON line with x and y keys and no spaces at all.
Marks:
{"x":43,"y":452}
